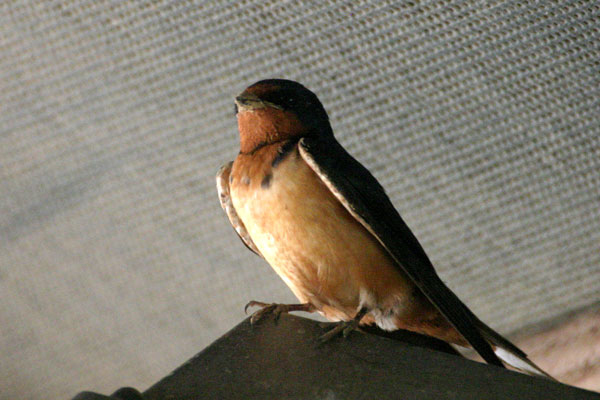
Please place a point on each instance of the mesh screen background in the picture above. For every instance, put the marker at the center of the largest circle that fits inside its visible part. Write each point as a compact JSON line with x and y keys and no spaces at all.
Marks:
{"x":116,"y":261}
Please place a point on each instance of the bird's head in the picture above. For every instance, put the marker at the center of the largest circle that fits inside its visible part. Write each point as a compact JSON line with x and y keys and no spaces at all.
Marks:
{"x":277,"y":109}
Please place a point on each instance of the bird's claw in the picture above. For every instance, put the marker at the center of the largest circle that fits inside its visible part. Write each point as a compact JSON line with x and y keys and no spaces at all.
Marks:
{"x":344,"y":328}
{"x":255,"y":303}
{"x":266,"y":308}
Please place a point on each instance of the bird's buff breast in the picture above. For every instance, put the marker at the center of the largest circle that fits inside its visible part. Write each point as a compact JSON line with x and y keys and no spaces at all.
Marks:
{"x":323,"y":254}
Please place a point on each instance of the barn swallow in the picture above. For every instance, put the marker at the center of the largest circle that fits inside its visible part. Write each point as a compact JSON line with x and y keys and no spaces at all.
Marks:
{"x":297,"y":199}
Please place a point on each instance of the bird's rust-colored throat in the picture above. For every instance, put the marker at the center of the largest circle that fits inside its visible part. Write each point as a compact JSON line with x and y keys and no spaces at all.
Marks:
{"x":267,"y":125}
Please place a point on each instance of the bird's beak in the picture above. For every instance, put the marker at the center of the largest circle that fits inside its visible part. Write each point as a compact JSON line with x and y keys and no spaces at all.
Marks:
{"x":251,"y":102}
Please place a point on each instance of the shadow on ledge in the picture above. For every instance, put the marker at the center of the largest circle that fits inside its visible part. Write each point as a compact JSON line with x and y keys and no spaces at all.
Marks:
{"x":283,"y":360}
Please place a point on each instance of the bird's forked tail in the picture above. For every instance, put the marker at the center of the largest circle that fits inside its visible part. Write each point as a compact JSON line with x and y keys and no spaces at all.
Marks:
{"x":511,"y":354}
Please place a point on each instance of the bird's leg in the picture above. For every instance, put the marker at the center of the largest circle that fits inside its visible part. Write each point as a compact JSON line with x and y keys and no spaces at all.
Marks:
{"x":344,"y":327}
{"x":275,"y":309}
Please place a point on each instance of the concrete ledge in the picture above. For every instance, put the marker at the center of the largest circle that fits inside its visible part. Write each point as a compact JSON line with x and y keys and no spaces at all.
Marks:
{"x":283,"y":360}
{"x":269,"y":361}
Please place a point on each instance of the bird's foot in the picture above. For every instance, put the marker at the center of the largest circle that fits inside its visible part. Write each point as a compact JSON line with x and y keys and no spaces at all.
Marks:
{"x":344,"y":327}
{"x":275,"y":309}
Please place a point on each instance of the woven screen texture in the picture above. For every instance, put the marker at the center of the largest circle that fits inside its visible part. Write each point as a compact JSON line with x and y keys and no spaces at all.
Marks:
{"x":481,"y":119}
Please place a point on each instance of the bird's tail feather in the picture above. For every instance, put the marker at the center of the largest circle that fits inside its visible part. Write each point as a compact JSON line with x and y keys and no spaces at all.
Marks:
{"x":507,"y":352}
{"x":511,"y":354}
{"x":519,"y":363}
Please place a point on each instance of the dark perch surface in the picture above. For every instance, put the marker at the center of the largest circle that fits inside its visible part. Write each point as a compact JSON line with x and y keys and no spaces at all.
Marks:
{"x":283,"y":360}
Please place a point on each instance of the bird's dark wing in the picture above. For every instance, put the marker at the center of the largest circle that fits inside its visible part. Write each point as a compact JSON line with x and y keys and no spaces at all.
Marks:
{"x":227,"y":205}
{"x":361,"y":194}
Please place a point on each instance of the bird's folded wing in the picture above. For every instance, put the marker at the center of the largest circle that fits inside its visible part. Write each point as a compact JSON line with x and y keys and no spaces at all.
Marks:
{"x":227,"y":205}
{"x":361,"y":194}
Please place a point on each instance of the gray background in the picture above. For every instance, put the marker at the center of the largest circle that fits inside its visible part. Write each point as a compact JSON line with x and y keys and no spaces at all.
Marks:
{"x":116,"y":261}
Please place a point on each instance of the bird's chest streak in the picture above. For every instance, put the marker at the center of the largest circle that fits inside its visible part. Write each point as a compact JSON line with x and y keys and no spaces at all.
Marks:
{"x":323,"y":254}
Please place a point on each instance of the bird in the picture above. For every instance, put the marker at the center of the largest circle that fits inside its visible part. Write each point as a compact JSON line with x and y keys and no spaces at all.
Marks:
{"x":326,"y":226}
